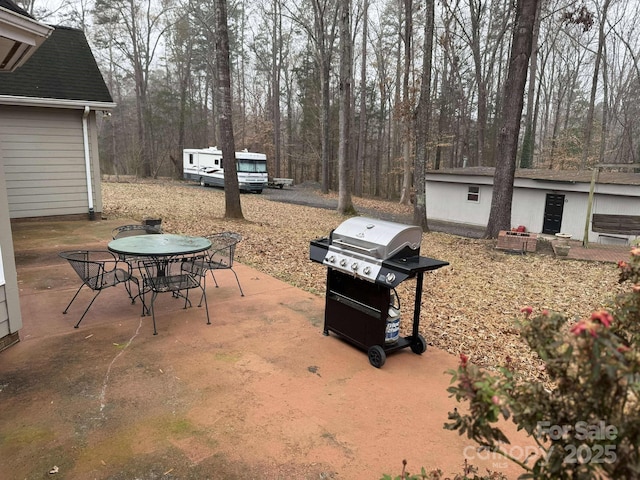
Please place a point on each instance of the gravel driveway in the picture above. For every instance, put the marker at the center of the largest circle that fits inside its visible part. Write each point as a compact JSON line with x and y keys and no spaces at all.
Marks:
{"x":309,"y":194}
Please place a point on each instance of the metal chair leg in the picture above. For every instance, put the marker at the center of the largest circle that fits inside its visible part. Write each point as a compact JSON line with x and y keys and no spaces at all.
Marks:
{"x":237,"y":280}
{"x":153,"y":314}
{"x":206,"y":306}
{"x":74,"y":297}
{"x":87,"y":309}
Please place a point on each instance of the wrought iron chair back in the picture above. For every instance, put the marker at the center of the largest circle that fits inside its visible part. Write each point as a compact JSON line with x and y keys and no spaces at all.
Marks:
{"x":135,"y":229}
{"x":99,"y":269}
{"x":221,"y":255}
{"x":177,"y":275}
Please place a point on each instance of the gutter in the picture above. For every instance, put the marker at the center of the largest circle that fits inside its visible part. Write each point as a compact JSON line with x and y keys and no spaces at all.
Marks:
{"x":54,"y":102}
{"x":87,"y":159}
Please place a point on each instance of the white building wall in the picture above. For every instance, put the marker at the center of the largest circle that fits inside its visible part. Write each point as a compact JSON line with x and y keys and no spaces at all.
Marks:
{"x":525,"y":209}
{"x":447,"y":201}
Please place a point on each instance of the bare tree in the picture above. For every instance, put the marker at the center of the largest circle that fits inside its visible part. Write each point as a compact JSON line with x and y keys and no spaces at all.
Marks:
{"x":321,"y":31}
{"x":345,"y":205}
{"x":423,"y":118}
{"x":586,"y":19}
{"x":528,"y":143}
{"x":500,"y":214}
{"x":233,"y":209}
{"x":141,"y":23}
{"x":406,"y":106}
{"x":362,"y":127}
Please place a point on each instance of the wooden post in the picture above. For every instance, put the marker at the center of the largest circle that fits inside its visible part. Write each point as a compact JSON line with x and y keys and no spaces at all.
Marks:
{"x":585,"y":239}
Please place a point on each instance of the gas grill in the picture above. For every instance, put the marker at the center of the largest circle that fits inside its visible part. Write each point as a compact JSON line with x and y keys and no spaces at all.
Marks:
{"x":366,"y":260}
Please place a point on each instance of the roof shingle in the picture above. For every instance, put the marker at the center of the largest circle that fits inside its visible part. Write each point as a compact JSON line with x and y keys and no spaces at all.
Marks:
{"x":62,"y":68}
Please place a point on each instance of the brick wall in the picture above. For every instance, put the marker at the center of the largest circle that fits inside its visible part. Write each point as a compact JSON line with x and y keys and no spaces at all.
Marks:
{"x":519,"y":241}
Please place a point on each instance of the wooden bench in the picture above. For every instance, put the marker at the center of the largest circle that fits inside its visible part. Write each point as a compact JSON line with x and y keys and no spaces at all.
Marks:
{"x":609,"y":225}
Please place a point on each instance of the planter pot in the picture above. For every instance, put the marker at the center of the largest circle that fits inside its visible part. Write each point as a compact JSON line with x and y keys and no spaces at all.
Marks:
{"x":563,"y":238}
{"x":562,"y":250}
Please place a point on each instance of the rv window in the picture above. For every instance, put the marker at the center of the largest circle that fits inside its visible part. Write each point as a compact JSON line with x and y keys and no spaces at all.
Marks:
{"x":252,"y":166}
{"x":191,"y":159}
{"x":473,"y":194}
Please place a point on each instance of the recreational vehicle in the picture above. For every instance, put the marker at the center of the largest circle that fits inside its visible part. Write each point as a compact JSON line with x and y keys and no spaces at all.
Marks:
{"x":205,"y":166}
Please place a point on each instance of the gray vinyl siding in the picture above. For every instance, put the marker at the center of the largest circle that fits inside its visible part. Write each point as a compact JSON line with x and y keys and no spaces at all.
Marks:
{"x":4,"y":313}
{"x":44,"y":163}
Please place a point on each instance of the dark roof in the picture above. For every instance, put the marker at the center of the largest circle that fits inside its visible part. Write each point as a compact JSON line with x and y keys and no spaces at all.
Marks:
{"x":62,"y":68}
{"x":9,"y":5}
{"x":621,"y":177}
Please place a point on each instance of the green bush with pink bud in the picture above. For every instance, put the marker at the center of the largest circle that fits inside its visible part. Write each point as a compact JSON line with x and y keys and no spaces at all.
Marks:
{"x":584,"y":421}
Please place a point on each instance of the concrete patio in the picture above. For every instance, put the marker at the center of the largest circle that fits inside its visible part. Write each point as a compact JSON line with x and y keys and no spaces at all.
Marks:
{"x":260,"y":393}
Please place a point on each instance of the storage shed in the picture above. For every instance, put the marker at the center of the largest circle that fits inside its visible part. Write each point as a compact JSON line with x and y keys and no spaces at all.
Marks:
{"x":544,"y":201}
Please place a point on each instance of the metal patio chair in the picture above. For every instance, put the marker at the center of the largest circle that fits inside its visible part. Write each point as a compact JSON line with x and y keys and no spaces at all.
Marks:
{"x":98,"y":270}
{"x":135,"y":229}
{"x":177,"y":275}
{"x":220,"y":256}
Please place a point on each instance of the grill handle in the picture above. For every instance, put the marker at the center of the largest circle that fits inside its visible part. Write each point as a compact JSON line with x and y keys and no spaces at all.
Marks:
{"x":370,"y":251}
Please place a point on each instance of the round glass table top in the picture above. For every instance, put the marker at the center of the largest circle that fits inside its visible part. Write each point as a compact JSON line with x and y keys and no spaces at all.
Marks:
{"x":158,"y":245}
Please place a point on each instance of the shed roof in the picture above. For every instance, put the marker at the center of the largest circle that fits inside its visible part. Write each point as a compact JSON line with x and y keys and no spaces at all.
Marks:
{"x":560,"y":176}
{"x":62,"y":68}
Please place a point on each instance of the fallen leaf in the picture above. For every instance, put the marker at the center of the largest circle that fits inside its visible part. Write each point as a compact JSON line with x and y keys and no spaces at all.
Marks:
{"x":482,"y":290}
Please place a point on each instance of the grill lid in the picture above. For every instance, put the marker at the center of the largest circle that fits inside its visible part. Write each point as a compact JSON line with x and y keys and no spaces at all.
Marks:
{"x":379,"y":239}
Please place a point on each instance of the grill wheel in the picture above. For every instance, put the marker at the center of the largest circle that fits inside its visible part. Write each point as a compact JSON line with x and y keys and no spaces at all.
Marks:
{"x":377,"y":357}
{"x":419,"y":345}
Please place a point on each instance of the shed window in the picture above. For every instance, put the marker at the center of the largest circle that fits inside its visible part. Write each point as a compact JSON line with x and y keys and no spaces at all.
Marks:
{"x":473,"y":194}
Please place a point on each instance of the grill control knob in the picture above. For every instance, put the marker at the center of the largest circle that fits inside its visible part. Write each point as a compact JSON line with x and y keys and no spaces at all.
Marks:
{"x":331,"y":259}
{"x":343,"y":262}
{"x":354,"y":266}
{"x":391,"y":277}
{"x":366,"y":270}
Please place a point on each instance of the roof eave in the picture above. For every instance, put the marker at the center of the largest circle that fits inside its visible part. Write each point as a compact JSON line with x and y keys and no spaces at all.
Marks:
{"x":23,"y":32}
{"x":55,"y":103}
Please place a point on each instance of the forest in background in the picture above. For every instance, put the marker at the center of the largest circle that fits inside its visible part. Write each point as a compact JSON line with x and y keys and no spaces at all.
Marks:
{"x":158,"y":60}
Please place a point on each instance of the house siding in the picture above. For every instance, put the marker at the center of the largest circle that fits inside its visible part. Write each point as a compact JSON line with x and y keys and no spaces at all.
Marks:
{"x":44,"y":163}
{"x":4,"y":313}
{"x":10,"y":316}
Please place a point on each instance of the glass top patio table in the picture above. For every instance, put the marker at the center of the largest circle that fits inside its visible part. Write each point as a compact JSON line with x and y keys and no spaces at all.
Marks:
{"x":158,"y":245}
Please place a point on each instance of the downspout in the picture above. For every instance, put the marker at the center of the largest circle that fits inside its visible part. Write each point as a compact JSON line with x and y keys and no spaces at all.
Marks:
{"x":87,"y":160}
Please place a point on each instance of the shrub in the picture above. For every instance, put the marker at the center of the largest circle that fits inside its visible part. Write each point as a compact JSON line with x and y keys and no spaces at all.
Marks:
{"x":585,"y":422}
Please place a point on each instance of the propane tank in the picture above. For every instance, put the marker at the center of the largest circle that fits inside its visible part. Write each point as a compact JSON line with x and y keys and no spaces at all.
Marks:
{"x":392,"y":332}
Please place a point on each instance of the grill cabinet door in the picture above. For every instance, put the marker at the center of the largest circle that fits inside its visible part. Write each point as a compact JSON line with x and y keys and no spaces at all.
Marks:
{"x":356,"y":309}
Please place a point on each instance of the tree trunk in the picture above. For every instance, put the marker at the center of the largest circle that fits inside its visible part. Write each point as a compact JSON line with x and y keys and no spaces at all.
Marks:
{"x":406,"y":104}
{"x":529,"y":141}
{"x":276,"y":60}
{"x":500,"y":214}
{"x":345,"y":206}
{"x":233,"y":208}
{"x":362,"y":130}
{"x":422,"y":121}
{"x":588,"y":129}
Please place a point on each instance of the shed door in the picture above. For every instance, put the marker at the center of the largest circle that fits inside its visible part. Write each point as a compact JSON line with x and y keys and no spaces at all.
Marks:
{"x":553,"y":213}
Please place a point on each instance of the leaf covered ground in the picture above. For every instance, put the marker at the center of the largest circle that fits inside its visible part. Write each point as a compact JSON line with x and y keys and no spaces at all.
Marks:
{"x":468,"y":307}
